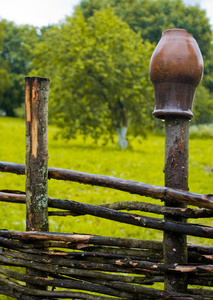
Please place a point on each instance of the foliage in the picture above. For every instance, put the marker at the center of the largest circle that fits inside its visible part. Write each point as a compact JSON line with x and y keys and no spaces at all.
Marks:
{"x":20,"y":111}
{"x":4,"y":82}
{"x":99,"y":75}
{"x":152,"y":17}
{"x":203,"y":106}
{"x":17,"y":52}
{"x":201,"y":131}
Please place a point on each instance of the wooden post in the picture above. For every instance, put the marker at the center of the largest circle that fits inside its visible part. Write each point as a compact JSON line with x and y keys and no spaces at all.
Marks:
{"x":36,"y":103}
{"x":176,"y":176}
{"x":36,"y":97}
{"x":176,"y":69}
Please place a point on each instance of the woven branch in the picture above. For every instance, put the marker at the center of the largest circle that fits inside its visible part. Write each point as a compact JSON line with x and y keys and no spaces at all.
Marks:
{"x":127,"y":205}
{"x":133,"y":187}
{"x":96,"y":263}
{"x":122,"y":290}
{"x":14,"y":289}
{"x":133,"y":219}
{"x":81,"y":238}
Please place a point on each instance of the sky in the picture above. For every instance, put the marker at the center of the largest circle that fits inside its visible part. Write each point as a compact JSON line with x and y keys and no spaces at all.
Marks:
{"x":44,"y":12}
{"x":38,"y":13}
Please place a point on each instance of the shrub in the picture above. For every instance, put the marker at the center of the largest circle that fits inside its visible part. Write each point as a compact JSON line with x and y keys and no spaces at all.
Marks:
{"x":202,"y":131}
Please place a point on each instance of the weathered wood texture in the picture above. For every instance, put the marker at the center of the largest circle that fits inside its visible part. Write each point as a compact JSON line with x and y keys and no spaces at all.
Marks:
{"x":36,"y":102}
{"x":79,"y":265}
{"x":116,"y":267}
{"x":11,"y":196}
{"x":176,"y":176}
{"x":132,"y":187}
{"x":77,"y":208}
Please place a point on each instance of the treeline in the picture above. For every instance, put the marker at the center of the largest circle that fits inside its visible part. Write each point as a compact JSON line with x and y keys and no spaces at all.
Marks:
{"x":98,"y":60}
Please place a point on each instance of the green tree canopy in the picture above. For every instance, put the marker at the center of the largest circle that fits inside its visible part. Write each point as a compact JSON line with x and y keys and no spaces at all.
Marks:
{"x":5,"y":81}
{"x":152,"y":17}
{"x":17,"y":47}
{"x":99,"y":75}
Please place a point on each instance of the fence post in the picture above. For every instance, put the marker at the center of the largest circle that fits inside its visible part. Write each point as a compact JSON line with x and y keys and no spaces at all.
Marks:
{"x":36,"y":104}
{"x":176,"y":69}
{"x":36,"y":97}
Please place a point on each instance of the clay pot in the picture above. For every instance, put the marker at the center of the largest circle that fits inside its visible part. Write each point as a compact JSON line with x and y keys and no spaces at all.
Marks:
{"x":176,"y":68}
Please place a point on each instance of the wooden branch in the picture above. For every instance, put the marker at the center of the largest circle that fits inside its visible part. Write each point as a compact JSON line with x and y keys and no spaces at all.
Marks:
{"x":153,"y":293}
{"x":133,"y":187}
{"x":159,"y":209}
{"x":19,"y":291}
{"x":133,"y":219}
{"x":200,"y":258}
{"x":53,"y":263}
{"x":202,"y":292}
{"x":141,"y":206}
{"x":200,"y":249}
{"x":196,"y":255}
{"x":125,"y":291}
{"x":147,"y":255}
{"x":127,"y":205}
{"x":18,"y":259}
{"x":23,"y":247}
{"x":65,"y":283}
{"x":187,"y":268}
{"x":205,"y":281}
{"x":81,"y":238}
{"x":63,"y":213}
{"x":84,"y":264}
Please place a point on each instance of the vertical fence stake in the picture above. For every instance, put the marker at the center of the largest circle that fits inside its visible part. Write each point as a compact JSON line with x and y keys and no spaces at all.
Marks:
{"x":176,"y":69}
{"x":36,"y":97}
{"x":176,"y":176}
{"x":36,"y":103}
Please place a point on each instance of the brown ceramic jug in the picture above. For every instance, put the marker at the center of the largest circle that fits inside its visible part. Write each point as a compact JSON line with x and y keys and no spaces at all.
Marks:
{"x":176,"y":68}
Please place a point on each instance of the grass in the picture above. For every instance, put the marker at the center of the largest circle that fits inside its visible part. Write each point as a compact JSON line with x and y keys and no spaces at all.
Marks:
{"x":143,"y":162}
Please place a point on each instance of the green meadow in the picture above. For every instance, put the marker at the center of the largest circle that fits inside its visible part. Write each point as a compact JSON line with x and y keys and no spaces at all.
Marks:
{"x":143,"y":162}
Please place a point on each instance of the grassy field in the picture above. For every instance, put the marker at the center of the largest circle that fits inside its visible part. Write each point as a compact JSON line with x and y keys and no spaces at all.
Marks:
{"x":143,"y":162}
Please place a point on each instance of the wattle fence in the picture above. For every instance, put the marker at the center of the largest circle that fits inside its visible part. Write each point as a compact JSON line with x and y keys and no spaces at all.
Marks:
{"x":82,"y":266}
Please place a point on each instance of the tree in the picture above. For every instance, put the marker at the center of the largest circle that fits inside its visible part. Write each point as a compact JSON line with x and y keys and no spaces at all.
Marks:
{"x":99,"y":73}
{"x":203,"y":106}
{"x":152,"y":17}
{"x":17,"y":52}
{"x":5,"y":81}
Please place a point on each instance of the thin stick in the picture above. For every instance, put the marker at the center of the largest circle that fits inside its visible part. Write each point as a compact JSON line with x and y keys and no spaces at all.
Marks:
{"x":18,"y":290}
{"x":127,"y":205}
{"x":133,"y":219}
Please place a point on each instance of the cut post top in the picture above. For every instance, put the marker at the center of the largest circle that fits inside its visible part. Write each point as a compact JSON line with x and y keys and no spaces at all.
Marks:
{"x":37,"y":78}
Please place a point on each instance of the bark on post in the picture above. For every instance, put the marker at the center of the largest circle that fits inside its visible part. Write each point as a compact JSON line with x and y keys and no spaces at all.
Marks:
{"x":176,"y":176}
{"x":36,"y":98}
{"x":176,"y":69}
{"x":36,"y":103}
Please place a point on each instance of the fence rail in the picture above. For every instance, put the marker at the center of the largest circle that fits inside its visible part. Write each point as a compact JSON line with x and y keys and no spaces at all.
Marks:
{"x":132,"y":187}
{"x":108,"y":266}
